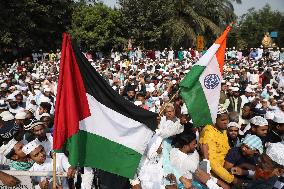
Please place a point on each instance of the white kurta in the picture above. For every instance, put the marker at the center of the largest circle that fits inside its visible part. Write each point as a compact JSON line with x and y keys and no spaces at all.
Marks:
{"x":151,"y":173}
{"x":47,"y":144}
{"x":169,"y":128}
{"x":62,"y":165}
{"x":186,"y":164}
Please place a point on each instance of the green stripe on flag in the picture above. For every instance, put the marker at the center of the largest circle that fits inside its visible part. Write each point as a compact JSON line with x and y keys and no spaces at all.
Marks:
{"x":90,"y":150}
{"x":194,"y":97}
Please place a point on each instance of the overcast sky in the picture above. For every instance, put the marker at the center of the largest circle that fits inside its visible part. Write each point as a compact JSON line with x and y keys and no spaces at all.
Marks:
{"x":258,"y":4}
{"x":239,"y":8}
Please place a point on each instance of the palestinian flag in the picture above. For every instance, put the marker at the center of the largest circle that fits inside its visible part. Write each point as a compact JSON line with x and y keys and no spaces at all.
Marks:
{"x":200,"y":89}
{"x":93,"y":123}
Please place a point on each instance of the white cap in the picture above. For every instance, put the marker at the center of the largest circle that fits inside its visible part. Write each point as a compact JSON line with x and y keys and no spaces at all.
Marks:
{"x":24,"y":88}
{"x":45,"y":115}
{"x":44,"y":99}
{"x":11,"y":97}
{"x":249,"y":90}
{"x":274,"y":152}
{"x":6,"y":116}
{"x":279,"y":117}
{"x":222,"y":110}
{"x":47,"y":89}
{"x":4,"y":85}
{"x":3,"y":105}
{"x":235,"y":89}
{"x":21,"y":115}
{"x":269,"y":115}
{"x":6,"y":148}
{"x":151,"y":84}
{"x":233,"y":124}
{"x":28,"y":148}
{"x":259,"y":121}
{"x":138,"y":103}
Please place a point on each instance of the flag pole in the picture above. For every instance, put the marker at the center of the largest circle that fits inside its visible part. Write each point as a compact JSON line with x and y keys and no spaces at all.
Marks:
{"x":164,"y":107}
{"x":54,"y":170}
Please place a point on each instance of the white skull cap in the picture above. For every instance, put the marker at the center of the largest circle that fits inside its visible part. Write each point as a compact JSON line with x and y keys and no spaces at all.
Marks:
{"x":259,"y":121}
{"x":274,"y":152}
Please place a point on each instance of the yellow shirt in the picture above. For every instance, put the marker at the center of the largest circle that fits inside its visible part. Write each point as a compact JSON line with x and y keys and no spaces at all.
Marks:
{"x":218,"y":145}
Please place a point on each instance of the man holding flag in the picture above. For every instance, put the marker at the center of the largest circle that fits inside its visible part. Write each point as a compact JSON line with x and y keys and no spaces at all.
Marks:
{"x":200,"y":90}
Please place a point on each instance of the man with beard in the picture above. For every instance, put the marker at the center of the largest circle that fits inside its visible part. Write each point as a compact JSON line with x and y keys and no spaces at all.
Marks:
{"x":19,"y":99}
{"x":38,"y":129}
{"x":269,"y":172}
{"x":244,"y":118}
{"x":7,"y":127}
{"x":14,"y":108}
{"x":47,"y":93}
{"x":276,"y":132}
{"x":266,"y":77}
{"x":235,"y":101}
{"x":131,"y":94}
{"x":245,"y":97}
{"x":233,"y":134}
{"x":216,"y":138}
{"x":246,"y":155}
{"x":259,"y":127}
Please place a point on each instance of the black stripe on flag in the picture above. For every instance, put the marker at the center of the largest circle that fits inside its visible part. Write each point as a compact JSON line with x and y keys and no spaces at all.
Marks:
{"x":96,"y":86}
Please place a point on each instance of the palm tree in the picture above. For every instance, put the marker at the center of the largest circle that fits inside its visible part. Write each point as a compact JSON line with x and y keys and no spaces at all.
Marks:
{"x":197,"y":17}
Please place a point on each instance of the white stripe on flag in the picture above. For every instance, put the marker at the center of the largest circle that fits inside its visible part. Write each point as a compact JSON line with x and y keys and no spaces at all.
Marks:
{"x":212,"y":94}
{"x":210,"y":53}
{"x":116,"y":127}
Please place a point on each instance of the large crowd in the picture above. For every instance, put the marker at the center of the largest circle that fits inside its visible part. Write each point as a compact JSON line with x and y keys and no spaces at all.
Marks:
{"x":243,"y":149}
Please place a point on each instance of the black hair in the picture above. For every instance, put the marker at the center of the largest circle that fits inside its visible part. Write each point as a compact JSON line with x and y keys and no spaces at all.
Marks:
{"x":10,"y":154}
{"x":184,"y":139}
{"x":248,"y":104}
{"x":19,"y":94}
{"x":225,"y":113}
{"x":46,"y":106}
{"x":140,"y":95}
{"x":178,"y":98}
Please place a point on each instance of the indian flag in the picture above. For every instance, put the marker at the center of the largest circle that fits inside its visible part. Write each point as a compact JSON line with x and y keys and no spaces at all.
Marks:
{"x":93,"y":123}
{"x":201,"y":87}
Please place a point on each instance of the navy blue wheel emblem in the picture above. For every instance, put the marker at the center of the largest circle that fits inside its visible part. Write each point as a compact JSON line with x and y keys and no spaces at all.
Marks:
{"x":211,"y":81}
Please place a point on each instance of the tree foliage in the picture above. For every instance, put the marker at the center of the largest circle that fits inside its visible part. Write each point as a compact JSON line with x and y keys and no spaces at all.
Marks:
{"x":39,"y":24}
{"x":33,"y":24}
{"x":175,"y":22}
{"x":96,"y":26}
{"x":255,"y":23}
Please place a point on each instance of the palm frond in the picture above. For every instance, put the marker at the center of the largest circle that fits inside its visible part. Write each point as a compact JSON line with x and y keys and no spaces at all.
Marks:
{"x":189,"y":11}
{"x":211,"y":26}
